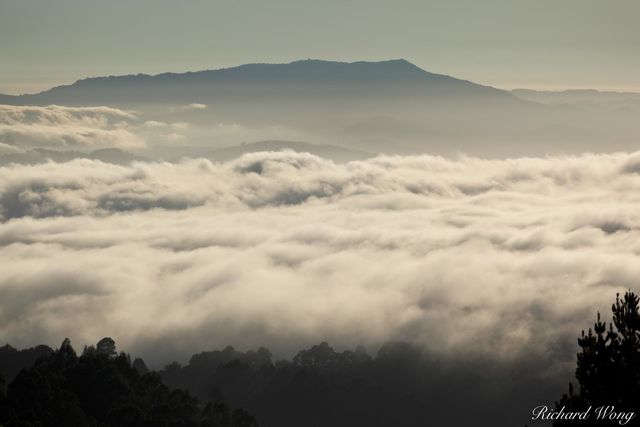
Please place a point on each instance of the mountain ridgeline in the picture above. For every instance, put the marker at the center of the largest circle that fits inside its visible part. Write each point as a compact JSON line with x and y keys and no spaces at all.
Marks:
{"x":262,"y":82}
{"x":391,"y":107}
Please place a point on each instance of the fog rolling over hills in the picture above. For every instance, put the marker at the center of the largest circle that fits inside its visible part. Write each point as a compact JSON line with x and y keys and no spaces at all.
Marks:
{"x":177,"y":154}
{"x":392,"y":107}
{"x":40,"y":155}
{"x":290,"y":206}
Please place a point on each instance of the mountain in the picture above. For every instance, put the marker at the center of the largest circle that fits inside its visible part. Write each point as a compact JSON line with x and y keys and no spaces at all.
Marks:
{"x":260,"y":83}
{"x":9,"y":99}
{"x":621,"y":102}
{"x":575,"y":95}
{"x":337,"y":154}
{"x":120,"y":157}
{"x":388,"y":106}
{"x":40,"y":155}
{"x":332,"y":152}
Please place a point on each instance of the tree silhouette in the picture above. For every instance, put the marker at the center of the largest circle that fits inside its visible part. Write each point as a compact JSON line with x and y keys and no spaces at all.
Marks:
{"x":102,"y":389}
{"x":13,"y":361}
{"x":140,"y":366}
{"x":318,"y":356}
{"x":608,"y":364}
{"x":107,"y":346}
{"x":2,"y":386}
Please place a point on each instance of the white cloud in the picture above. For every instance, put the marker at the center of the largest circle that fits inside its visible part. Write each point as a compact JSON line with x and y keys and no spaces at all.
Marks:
{"x":282,"y":249}
{"x":7,"y":149}
{"x":66,"y":127}
{"x":155,"y":124}
{"x":195,"y":106}
{"x":179,"y":125}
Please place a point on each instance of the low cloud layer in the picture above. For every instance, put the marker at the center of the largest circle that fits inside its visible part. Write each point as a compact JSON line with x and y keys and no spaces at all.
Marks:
{"x":66,"y":127}
{"x":505,"y":257}
{"x":54,"y":127}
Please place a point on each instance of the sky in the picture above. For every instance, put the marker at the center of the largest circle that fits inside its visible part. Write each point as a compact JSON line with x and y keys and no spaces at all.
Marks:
{"x":538,"y":44}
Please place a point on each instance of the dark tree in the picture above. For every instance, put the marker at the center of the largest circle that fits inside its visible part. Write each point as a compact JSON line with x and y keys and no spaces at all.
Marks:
{"x":608,"y":365}
{"x":101,"y":389}
{"x":107,"y":346}
{"x":242,"y":418}
{"x":140,"y":366}
{"x":2,"y":386}
{"x":216,"y":415}
{"x":13,"y":361}
{"x":318,"y":356}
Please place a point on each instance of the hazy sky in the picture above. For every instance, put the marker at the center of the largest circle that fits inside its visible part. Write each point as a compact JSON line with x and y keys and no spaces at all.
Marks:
{"x":506,"y":43}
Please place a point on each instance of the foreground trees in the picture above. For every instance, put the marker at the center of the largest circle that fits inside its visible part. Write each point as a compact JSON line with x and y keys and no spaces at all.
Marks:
{"x":102,"y":388}
{"x":402,"y":385}
{"x":608,"y":368}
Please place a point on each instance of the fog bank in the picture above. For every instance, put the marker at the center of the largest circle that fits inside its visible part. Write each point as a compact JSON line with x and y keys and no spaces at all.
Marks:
{"x":501,"y":258}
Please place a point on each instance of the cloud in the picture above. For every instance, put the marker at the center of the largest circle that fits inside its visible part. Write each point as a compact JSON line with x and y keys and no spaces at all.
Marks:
{"x":146,"y":132}
{"x":66,"y":127}
{"x":195,"y":107}
{"x":467,"y":256}
{"x":8,"y":149}
{"x":155,"y":124}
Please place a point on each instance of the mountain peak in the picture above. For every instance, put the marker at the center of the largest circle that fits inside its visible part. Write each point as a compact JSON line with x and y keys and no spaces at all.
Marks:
{"x":316,"y":78}
{"x":314,"y":61}
{"x":324,"y":71}
{"x":397,"y":64}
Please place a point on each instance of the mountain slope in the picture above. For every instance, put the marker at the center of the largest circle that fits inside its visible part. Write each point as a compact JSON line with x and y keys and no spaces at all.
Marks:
{"x":35,"y":156}
{"x":338,"y":154}
{"x":9,"y":99}
{"x":593,"y":100}
{"x":263,"y":82}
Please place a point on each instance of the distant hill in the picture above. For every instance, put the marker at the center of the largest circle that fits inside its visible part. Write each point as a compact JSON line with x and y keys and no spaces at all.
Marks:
{"x":574,"y":95}
{"x":109,"y":155}
{"x":9,"y":99}
{"x":387,"y":106}
{"x":120,"y":157}
{"x":332,"y":152}
{"x":258,"y":83}
{"x":622,"y":102}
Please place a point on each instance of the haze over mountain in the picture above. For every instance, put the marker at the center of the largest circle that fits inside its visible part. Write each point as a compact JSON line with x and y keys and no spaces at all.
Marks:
{"x":176,"y":154}
{"x":327,"y":151}
{"x":391,"y":106}
{"x":584,"y":98}
{"x":41,"y":155}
